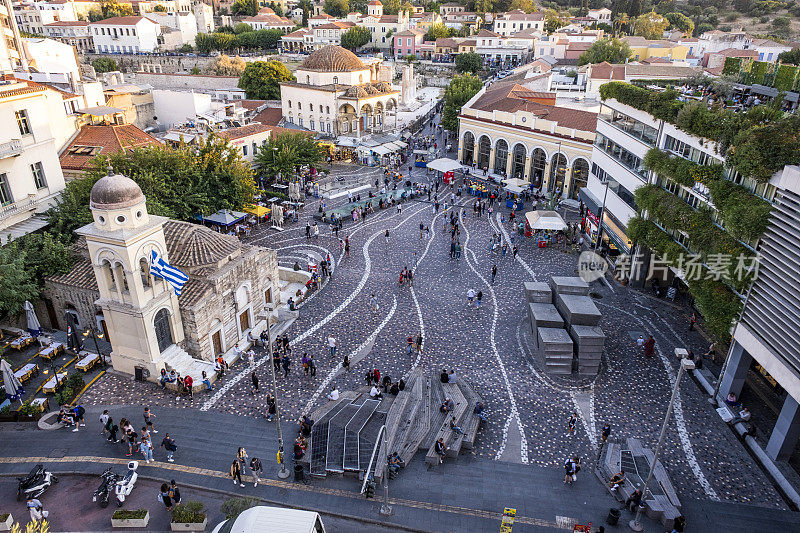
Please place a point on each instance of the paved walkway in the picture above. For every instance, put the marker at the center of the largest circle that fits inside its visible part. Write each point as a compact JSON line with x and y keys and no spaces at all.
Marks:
{"x":464,"y":495}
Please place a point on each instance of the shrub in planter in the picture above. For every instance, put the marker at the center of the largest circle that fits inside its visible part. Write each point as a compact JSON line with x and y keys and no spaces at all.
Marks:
{"x":29,"y":411}
{"x":189,"y":516}
{"x":233,"y":507}
{"x":7,"y":414}
{"x":130,"y":518}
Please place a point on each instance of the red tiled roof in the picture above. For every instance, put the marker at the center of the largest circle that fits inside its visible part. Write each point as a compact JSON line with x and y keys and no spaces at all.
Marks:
{"x":734,"y":52}
{"x":109,"y":139}
{"x":270,"y":116}
{"x":607,"y":71}
{"x":487,"y":33}
{"x":243,"y":131}
{"x":69,"y":23}
{"x":122,"y":21}
{"x":251,"y":105}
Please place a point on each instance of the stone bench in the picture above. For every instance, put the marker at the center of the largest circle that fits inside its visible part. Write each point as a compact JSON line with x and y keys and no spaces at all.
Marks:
{"x":471,"y":427}
{"x":661,"y":509}
{"x":449,"y":437}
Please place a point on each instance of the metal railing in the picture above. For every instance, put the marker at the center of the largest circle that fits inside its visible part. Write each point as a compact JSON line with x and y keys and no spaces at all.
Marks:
{"x":14,"y":208}
{"x":10,"y":148}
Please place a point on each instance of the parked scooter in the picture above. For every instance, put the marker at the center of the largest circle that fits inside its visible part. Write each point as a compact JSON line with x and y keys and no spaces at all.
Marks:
{"x":125,"y":486}
{"x":108,"y":482}
{"x":35,"y":484}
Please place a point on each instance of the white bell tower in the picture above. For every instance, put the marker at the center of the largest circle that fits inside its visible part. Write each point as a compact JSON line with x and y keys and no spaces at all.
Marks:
{"x":375,"y":8}
{"x":141,"y":312}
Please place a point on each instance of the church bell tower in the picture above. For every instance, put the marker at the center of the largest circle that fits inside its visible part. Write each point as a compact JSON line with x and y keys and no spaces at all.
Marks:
{"x":141,"y":311}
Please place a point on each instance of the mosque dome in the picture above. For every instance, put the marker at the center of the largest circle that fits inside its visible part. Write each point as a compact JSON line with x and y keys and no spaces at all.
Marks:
{"x":333,"y":58}
{"x":115,"y":191}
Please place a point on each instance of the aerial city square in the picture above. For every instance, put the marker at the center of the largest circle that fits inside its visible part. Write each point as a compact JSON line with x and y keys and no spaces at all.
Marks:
{"x":375,"y":266}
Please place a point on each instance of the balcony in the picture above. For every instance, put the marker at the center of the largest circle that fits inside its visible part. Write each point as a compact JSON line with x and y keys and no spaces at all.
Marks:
{"x":26,"y":204}
{"x":11,"y":148}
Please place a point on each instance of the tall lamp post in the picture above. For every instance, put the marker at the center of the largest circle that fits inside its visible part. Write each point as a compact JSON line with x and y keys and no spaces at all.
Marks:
{"x":686,"y":365}
{"x":96,"y":335}
{"x":283,"y":473}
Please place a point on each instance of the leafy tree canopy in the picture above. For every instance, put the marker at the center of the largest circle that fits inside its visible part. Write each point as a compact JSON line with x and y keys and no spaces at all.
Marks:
{"x":611,"y":50}
{"x":469,"y":62}
{"x":261,"y":79}
{"x":526,"y":5}
{"x":104,"y":64}
{"x":336,"y":8}
{"x":438,"y":31}
{"x":356,"y":37}
{"x":226,"y":66}
{"x":242,"y":27}
{"x":159,"y":8}
{"x":108,"y":10}
{"x":247,"y":8}
{"x":286,"y":152}
{"x":681,"y":22}
{"x":791,"y":57}
{"x":650,"y":25}
{"x":553,"y":20}
{"x":461,"y":89}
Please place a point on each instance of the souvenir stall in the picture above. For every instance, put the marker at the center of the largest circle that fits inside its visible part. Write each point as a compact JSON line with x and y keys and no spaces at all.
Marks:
{"x":544,"y":224}
{"x":259,"y":212}
{"x":515,"y":188}
{"x":421,"y":158}
{"x":446,"y":167}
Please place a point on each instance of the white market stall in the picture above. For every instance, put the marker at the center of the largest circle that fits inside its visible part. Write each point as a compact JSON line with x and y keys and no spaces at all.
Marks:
{"x":546,"y":221}
{"x":446,"y":166}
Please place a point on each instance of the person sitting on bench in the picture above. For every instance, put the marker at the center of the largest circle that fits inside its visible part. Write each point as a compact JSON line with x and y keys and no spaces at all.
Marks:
{"x":634,"y":500}
{"x":394,"y":463}
{"x":454,"y":427}
{"x":744,"y":416}
{"x":447,"y":406}
{"x":207,"y":382}
{"x":617,"y":480}
{"x":375,"y":393}
{"x":730,"y":401}
{"x":480,"y":411}
{"x":66,"y":417}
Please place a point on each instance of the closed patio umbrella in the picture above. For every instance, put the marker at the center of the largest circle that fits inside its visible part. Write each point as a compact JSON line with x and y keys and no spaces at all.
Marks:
{"x":13,"y":387}
{"x":33,"y":322}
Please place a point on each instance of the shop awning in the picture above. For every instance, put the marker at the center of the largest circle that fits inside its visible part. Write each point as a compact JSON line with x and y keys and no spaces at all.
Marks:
{"x":347,"y":141}
{"x":380,"y":150}
{"x":257,"y":210}
{"x":763,"y":90}
{"x":545,"y":220}
{"x":591,"y":201}
{"x":401,"y":144}
{"x":444,"y":164}
{"x":224,"y":217}
{"x":513,"y":189}
{"x":516,"y":182}
{"x":392,"y":146}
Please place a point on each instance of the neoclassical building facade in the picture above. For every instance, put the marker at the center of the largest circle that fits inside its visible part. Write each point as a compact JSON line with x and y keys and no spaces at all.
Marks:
{"x":337,"y":94}
{"x":515,"y":132}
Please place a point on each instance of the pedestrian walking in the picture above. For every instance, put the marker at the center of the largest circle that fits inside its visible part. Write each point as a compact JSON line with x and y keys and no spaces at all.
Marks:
{"x":373,"y":303}
{"x":174,"y":492}
{"x":312,"y":366}
{"x":148,"y":420}
{"x":241,"y":454}
{"x":386,"y":237}
{"x":254,"y":380}
{"x":146,"y":449}
{"x":112,"y":429}
{"x":236,"y":472}
{"x":494,"y":273}
{"x":272,"y":408}
{"x":569,"y":469}
{"x":515,"y":250}
{"x":168,"y":443}
{"x":478,"y":299}
{"x":286,"y":362}
{"x":308,"y":230}
{"x":346,"y":363}
{"x":571,"y":424}
{"x":332,"y":345}
{"x":410,"y":344}
{"x":649,"y":346}
{"x":419,"y":342}
{"x":256,"y":468}
{"x":605,"y":432}
{"x":304,"y":363}
{"x":692,"y":321}
{"x":104,"y":422}
{"x":470,"y":296}
{"x":251,"y":358}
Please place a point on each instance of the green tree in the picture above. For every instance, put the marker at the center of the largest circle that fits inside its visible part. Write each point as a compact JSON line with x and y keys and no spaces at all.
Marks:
{"x":336,"y":8}
{"x":242,"y":27}
{"x":611,"y":50}
{"x":469,"y":62}
{"x":287,"y":151}
{"x":433,"y":7}
{"x":650,"y":25}
{"x":276,"y":7}
{"x":261,"y":79}
{"x":526,"y":5}
{"x":268,"y":39}
{"x":461,"y":89}
{"x":356,"y":37}
{"x":223,"y":41}
{"x":681,"y":22}
{"x":484,"y":6}
{"x":16,"y":282}
{"x":226,"y":66}
{"x":178,"y":182}
{"x":411,"y":58}
{"x":791,"y":57}
{"x":703,"y":27}
{"x":104,"y":64}
{"x":195,"y":71}
{"x":781,"y":23}
{"x":159,"y":8}
{"x":247,"y":8}
{"x":553,"y":20}
{"x":438,"y":31}
{"x":185,"y":48}
{"x":204,"y":42}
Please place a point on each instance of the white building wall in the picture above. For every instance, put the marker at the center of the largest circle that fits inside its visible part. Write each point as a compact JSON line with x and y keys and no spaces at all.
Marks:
{"x":53,"y":56}
{"x":176,"y":107}
{"x":141,"y":37}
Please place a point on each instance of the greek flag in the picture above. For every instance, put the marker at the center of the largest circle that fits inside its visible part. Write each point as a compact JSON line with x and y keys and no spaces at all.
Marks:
{"x":175,"y":277}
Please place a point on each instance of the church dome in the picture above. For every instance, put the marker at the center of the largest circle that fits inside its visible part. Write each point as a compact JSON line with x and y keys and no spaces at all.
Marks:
{"x":193,"y":245}
{"x":115,"y":192}
{"x":333,"y":58}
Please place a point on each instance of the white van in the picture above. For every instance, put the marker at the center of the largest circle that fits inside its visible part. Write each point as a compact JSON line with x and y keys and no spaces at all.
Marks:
{"x":263,"y":519}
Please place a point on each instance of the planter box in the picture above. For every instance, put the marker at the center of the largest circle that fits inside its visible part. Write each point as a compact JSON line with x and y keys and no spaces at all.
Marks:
{"x":7,"y":523}
{"x":189,"y":526}
{"x":11,"y":417}
{"x":132,"y":522}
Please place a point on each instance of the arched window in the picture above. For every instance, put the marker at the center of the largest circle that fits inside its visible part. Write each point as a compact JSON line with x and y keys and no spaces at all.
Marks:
{"x":500,"y":156}
{"x":518,"y":161}
{"x":558,"y":170}
{"x":468,"y":148}
{"x":538,"y":164}
{"x":144,"y":271}
{"x":484,"y":149}
{"x":163,"y":329}
{"x":108,"y":271}
{"x":580,"y":176}
{"x":308,"y":79}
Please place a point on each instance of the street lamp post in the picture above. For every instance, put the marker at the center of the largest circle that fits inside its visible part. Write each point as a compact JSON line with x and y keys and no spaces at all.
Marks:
{"x":95,"y":336}
{"x":685,"y":365}
{"x":283,"y":473}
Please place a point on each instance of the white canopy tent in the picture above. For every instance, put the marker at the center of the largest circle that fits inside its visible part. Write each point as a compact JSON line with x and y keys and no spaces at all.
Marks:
{"x":380,"y":150}
{"x":444,"y":164}
{"x":516,"y":182}
{"x":513,"y":189}
{"x":545,"y":220}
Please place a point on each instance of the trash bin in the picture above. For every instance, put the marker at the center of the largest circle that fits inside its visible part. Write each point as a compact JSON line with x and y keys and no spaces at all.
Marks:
{"x":138,"y":373}
{"x":613,"y":517}
{"x":299,"y":475}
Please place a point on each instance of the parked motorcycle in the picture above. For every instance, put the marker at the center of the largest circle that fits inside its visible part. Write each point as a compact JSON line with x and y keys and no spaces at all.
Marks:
{"x":38,"y":481}
{"x":108,"y":483}
{"x":125,"y":486}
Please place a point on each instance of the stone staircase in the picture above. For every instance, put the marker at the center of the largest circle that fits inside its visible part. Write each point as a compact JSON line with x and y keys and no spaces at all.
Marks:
{"x":176,"y":358}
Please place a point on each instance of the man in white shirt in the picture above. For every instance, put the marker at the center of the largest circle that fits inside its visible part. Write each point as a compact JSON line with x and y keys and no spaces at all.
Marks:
{"x":332,"y":345}
{"x":374,"y":392}
{"x":334,"y":395}
{"x":470,"y":296}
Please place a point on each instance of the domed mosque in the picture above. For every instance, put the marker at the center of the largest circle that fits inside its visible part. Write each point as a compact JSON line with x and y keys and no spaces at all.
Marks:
{"x":337,"y":93}
{"x":151,"y":324}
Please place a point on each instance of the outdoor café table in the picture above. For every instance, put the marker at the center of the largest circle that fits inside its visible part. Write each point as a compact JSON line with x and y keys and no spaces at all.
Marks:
{"x":43,"y":404}
{"x":22,"y":341}
{"x":88,"y":361}
{"x":50,"y":386}
{"x":26,"y":372}
{"x":52,"y":350}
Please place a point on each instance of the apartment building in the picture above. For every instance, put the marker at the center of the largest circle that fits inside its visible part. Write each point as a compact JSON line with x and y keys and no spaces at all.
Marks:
{"x":74,"y":33}
{"x":12,"y":52}
{"x":32,"y":16}
{"x":181,"y":27}
{"x":266,"y":19}
{"x":121,"y":35}
{"x":509,"y":23}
